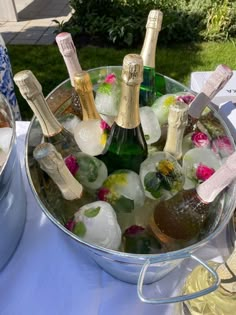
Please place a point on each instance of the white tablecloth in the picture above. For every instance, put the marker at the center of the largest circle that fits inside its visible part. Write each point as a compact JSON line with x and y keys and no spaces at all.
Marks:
{"x":49,"y":275}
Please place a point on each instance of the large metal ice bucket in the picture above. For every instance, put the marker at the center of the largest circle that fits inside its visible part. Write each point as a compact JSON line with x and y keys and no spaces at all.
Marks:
{"x":132,"y":268}
{"x":12,"y":194}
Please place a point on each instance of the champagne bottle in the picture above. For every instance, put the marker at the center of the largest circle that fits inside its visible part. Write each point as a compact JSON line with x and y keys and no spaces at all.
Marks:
{"x":177,"y":121}
{"x":53,"y":131}
{"x":221,"y":301}
{"x":67,"y":49}
{"x":126,"y":147}
{"x":53,"y":164}
{"x":88,"y":133}
{"x":148,"y":53}
{"x":211,"y":87}
{"x":183,"y":219}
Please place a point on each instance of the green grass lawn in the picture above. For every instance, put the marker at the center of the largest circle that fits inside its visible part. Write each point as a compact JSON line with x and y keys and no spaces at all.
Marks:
{"x":177,"y":62}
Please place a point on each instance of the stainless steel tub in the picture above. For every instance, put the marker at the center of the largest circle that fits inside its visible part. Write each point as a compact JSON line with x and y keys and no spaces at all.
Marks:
{"x":132,"y":268}
{"x":12,"y":194}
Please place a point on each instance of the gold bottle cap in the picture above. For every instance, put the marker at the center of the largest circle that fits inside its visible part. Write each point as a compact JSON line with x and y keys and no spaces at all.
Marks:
{"x":83,"y":82}
{"x":154,"y":19}
{"x":132,"y":71}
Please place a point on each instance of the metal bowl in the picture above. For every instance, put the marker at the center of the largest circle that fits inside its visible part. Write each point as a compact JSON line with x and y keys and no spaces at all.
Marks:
{"x":12,"y":194}
{"x":132,"y":268}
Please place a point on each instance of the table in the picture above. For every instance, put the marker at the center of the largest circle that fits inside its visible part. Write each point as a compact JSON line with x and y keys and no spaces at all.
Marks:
{"x":48,"y":276}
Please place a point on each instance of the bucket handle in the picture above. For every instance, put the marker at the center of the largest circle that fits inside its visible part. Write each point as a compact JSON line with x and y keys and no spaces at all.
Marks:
{"x":179,"y":298}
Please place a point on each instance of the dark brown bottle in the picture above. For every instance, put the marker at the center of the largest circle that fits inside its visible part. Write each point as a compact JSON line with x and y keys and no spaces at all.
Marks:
{"x":181,"y":220}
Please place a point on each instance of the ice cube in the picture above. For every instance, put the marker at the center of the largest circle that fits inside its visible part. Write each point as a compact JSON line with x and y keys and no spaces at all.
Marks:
{"x":198,"y":165}
{"x":70,"y":123}
{"x":162,"y":104}
{"x":107,"y":96}
{"x":196,"y":139}
{"x":222,"y":146}
{"x":96,"y":223}
{"x":161,"y":176}
{"x":90,"y":136}
{"x":108,"y":119}
{"x":161,"y":107}
{"x":123,"y":190}
{"x":150,"y":125}
{"x":87,"y":169}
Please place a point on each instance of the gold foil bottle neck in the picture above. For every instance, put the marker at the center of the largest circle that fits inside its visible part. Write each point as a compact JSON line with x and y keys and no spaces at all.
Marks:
{"x":132,"y":70}
{"x":154,"y":20}
{"x":84,"y":89}
{"x":83,"y":82}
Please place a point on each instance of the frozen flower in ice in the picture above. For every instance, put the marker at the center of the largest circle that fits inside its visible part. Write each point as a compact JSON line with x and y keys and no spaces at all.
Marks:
{"x":165,"y":167}
{"x":87,"y":169}
{"x":133,"y":230}
{"x":123,"y":190}
{"x":110,"y":78}
{"x":198,"y":165}
{"x":71,"y":163}
{"x":161,"y":176}
{"x":104,"y":125}
{"x":103,"y":194}
{"x":70,"y":225}
{"x":222,"y":146}
{"x":187,"y":99}
{"x":138,"y":240}
{"x":108,"y":96}
{"x":106,"y":130}
{"x":200,"y":139}
{"x":96,"y":223}
{"x":203,"y":172}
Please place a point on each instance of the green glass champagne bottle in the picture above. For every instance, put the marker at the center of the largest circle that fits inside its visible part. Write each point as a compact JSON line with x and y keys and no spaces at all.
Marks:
{"x":126,"y":147}
{"x":150,"y":86}
{"x":53,"y":131}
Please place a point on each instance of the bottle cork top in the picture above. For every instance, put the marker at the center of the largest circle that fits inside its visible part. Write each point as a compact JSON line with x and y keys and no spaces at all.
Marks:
{"x":132,"y":71}
{"x":43,"y":150}
{"x":65,"y":44}
{"x":63,"y":35}
{"x":154,"y":19}
{"x":178,"y":115}
{"x":54,"y":165}
{"x":27,"y":83}
{"x":217,"y":80}
{"x":83,"y":82}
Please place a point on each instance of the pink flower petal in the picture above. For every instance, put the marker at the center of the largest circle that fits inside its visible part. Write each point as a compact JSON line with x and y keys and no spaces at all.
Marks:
{"x":72,"y":164}
{"x":133,"y":230}
{"x":110,"y":78}
{"x":204,"y":172}
{"x":102,"y":194}
{"x":200,"y":139}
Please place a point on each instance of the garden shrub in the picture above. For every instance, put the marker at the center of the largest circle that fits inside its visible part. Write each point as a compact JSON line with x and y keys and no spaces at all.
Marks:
{"x":121,"y":23}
